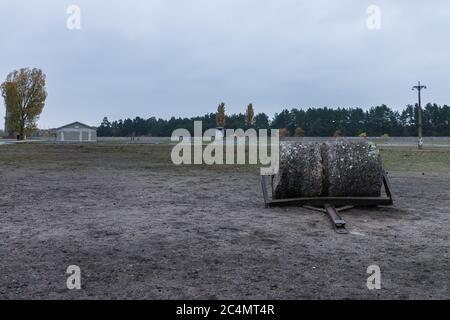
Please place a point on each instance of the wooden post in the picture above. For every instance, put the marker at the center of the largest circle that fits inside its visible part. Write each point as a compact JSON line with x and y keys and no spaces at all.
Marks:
{"x":419,"y":114}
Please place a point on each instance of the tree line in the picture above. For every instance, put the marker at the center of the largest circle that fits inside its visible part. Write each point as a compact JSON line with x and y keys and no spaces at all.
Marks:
{"x":24,"y":95}
{"x":322,"y":122}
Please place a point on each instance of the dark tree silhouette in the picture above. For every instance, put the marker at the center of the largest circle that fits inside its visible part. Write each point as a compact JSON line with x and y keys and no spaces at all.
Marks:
{"x":324,"y":122}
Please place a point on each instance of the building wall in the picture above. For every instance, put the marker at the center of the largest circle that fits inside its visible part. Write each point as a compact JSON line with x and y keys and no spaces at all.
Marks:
{"x":73,"y":135}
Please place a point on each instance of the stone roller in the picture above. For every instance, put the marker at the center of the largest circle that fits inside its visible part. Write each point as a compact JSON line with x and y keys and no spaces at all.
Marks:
{"x":324,"y":176}
{"x":330,"y":169}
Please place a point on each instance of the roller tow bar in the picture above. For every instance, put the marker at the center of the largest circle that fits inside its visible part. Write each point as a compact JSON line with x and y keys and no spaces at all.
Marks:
{"x":329,"y":205}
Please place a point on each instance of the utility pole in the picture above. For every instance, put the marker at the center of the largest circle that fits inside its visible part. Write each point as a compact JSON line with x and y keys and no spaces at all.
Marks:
{"x":419,"y":88}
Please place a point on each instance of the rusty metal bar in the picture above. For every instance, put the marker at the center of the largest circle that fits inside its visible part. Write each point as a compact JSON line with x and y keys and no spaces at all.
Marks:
{"x":335,"y":201}
{"x":338,"y":222}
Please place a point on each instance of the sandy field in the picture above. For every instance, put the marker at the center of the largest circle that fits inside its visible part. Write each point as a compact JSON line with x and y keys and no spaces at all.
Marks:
{"x":142,"y":228}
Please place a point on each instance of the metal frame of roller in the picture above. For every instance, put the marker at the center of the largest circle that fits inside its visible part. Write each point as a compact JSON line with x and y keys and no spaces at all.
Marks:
{"x":330,"y":205}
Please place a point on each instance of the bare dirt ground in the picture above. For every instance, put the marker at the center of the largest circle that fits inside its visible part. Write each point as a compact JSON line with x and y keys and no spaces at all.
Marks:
{"x":142,"y":228}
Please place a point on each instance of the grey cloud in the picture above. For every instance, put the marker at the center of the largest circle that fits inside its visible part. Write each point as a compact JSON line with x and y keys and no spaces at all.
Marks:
{"x":164,"y":58}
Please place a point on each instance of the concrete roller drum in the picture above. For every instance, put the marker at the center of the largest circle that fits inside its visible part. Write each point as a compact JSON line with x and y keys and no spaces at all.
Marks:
{"x":300,"y":172}
{"x":335,"y":169}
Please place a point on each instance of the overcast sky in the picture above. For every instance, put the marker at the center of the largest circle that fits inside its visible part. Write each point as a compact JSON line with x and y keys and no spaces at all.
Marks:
{"x":183,"y":57}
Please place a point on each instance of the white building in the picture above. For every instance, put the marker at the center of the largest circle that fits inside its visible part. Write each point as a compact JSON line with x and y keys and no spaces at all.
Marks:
{"x":76,"y":132}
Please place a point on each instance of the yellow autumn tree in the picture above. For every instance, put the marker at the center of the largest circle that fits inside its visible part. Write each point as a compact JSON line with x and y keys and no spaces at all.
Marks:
{"x":283,"y":132}
{"x":24,"y":95}
{"x":220,"y":115}
{"x":249,"y":115}
{"x":299,"y":132}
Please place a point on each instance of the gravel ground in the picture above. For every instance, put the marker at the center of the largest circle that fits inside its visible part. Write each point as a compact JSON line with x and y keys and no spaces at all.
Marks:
{"x":140,"y":228}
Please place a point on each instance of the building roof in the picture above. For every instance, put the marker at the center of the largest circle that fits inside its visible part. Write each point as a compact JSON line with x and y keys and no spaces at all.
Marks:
{"x":77,"y":123}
